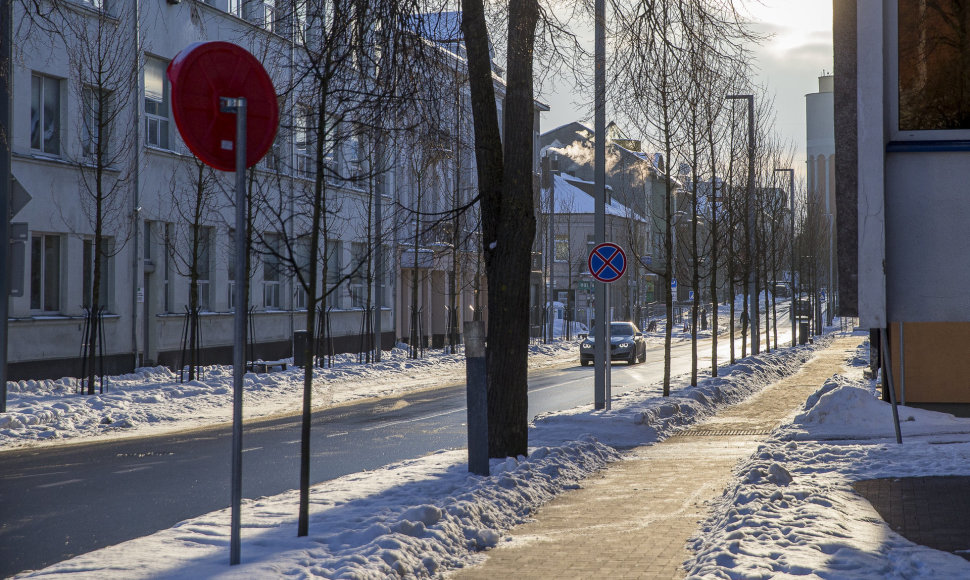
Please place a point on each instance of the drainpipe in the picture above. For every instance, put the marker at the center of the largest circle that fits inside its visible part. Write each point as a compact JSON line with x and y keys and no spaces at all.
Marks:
{"x":136,"y":209}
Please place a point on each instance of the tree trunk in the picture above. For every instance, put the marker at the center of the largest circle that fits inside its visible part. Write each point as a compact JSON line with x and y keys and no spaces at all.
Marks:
{"x":508,"y":216}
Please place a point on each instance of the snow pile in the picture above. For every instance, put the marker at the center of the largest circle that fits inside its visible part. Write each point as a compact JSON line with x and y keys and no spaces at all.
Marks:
{"x":639,"y":417}
{"x":412,"y":519}
{"x":792,"y":510}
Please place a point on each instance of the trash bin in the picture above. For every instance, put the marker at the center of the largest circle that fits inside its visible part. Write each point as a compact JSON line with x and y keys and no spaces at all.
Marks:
{"x":299,"y":348}
{"x":802,"y":331}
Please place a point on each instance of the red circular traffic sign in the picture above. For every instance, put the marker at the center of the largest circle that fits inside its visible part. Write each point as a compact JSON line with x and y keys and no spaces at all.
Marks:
{"x":202,"y":73}
{"x":607,"y":262}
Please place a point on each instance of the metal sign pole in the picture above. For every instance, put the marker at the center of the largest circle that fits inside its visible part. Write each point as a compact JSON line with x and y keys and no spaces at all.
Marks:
{"x":238,"y":106}
{"x":476,"y":397}
{"x":601,"y":348}
{"x":6,"y":81}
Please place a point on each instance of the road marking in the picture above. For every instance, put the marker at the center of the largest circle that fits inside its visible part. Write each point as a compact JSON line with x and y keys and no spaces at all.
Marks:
{"x":28,"y":475}
{"x":557,"y":385}
{"x":414,"y":420}
{"x":252,"y":449}
{"x":129,"y":470}
{"x":341,"y":434}
{"x":59,"y":483}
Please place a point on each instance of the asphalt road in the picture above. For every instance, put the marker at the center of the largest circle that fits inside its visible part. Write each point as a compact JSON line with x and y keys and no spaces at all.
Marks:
{"x":57,"y":502}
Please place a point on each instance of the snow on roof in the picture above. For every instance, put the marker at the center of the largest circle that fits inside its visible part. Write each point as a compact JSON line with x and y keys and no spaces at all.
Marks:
{"x":440,"y":26}
{"x":572,"y":198}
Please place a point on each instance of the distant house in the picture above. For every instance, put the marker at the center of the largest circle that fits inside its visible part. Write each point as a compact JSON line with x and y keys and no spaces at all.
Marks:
{"x":636,"y":187}
{"x":570,"y":229}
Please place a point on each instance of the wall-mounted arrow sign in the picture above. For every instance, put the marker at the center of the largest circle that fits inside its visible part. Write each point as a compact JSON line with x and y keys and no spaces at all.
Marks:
{"x":18,"y":197}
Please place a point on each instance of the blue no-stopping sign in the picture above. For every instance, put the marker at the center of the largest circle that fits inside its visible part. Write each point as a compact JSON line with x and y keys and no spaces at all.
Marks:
{"x":607,"y":262}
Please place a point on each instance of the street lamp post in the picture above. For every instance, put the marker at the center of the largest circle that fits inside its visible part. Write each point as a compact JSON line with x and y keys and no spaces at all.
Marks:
{"x":791,"y":216}
{"x":752,"y":275}
{"x":830,"y":306}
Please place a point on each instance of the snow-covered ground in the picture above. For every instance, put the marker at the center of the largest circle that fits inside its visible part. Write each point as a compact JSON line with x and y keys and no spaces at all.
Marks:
{"x":792,"y":510}
{"x":422,"y":517}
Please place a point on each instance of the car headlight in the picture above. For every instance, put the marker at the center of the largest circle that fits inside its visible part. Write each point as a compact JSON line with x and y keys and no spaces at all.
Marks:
{"x":586,"y":346}
{"x":625,"y":345}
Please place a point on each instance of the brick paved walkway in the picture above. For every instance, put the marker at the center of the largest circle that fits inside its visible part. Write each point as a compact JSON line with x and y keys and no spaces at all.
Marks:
{"x":932,"y":511}
{"x":633,"y":519}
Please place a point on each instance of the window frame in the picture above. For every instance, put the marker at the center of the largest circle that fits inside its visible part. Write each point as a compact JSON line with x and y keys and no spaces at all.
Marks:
{"x":357,"y":282}
{"x":163,"y":121}
{"x":272,"y":272}
{"x":204,"y":268}
{"x":45,"y":281}
{"x":89,"y":138}
{"x":560,"y":241}
{"x":39,"y":101}
{"x":302,"y":134}
{"x":893,"y":89}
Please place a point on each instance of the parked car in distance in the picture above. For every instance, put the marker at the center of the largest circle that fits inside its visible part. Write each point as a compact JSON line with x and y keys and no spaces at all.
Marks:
{"x":626,"y":343}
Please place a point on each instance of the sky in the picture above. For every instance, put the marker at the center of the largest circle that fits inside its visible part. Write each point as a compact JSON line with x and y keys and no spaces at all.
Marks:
{"x":788,"y":511}
{"x":788,"y":65}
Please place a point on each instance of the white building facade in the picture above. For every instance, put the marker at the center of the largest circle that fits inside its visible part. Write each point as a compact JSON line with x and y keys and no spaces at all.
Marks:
{"x":154,"y":183}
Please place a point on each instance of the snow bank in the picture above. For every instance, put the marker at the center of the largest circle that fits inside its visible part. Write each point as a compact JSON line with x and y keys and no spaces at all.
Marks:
{"x":151,"y":400}
{"x":792,"y":512}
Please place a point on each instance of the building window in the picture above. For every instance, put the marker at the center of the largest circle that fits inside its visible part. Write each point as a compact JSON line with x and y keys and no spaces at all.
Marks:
{"x":167,"y":238}
{"x":96,"y":119}
{"x":45,"y":114}
{"x":302,"y":258}
{"x":562,"y":248}
{"x":358,"y":274}
{"x":156,"y":103}
{"x":106,"y":282}
{"x":231,"y":269}
{"x":932,"y":37}
{"x":203,"y":268}
{"x":45,"y":273}
{"x":272,"y":271}
{"x":355,"y":155}
{"x":269,"y":14}
{"x":303,"y":142}
{"x":333,"y":250}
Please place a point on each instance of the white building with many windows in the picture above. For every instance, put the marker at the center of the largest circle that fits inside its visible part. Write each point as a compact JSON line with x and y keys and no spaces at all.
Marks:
{"x":95,"y":145}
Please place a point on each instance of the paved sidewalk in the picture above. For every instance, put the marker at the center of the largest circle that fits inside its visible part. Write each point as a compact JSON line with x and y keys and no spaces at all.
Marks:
{"x":633,"y":518}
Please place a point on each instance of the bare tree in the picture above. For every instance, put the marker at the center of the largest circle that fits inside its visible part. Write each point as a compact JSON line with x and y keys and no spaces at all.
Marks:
{"x":193,"y":211}
{"x":104,"y":68}
{"x":351,"y":67}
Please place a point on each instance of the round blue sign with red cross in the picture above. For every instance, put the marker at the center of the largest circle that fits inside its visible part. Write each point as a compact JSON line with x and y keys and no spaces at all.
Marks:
{"x":607,"y":262}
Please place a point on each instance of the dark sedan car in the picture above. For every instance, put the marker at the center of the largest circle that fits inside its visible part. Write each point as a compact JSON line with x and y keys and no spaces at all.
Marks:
{"x":626,"y":343}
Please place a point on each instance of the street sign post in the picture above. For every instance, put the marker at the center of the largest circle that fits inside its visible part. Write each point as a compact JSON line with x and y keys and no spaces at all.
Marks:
{"x":607,"y":262}
{"x":226,"y":110}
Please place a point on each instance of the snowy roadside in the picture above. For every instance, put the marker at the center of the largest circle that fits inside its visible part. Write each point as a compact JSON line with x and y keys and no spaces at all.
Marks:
{"x":151,"y":400}
{"x":792,"y":511}
{"x":421,"y":517}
